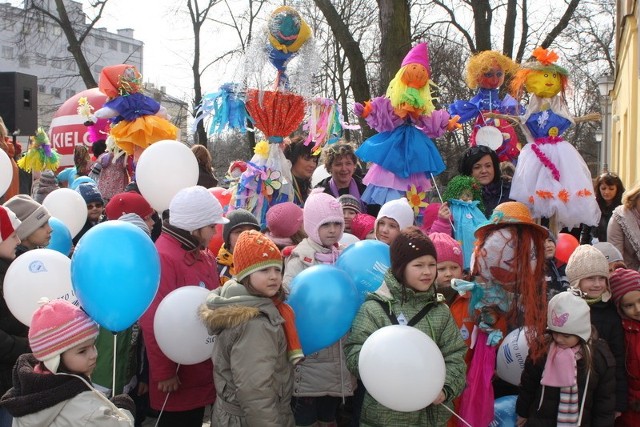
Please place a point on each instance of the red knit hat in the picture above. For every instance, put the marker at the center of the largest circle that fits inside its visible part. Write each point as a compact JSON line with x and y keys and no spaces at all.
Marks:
{"x":362,"y":225}
{"x":284,"y":219}
{"x":622,"y":281}
{"x":447,"y":248}
{"x":253,"y":252}
{"x":125,"y":203}
{"x":56,"y":327}
{"x":9,"y":222}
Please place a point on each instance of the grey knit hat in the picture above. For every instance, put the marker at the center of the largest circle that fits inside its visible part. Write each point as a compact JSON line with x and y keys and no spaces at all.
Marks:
{"x":238,"y":218}
{"x":587,"y":261}
{"x":610,"y":252}
{"x":32,"y":214}
{"x":135,"y":219}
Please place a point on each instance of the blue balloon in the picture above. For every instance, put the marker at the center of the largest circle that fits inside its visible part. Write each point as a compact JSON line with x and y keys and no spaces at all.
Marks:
{"x":81,"y":180}
{"x":504,"y":412}
{"x":115,"y":273}
{"x":365,"y":262}
{"x":325,"y":302}
{"x":60,"y":237}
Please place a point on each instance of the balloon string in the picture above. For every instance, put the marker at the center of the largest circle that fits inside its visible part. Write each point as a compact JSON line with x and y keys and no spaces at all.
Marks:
{"x":113,"y":381}
{"x":451,"y":410}
{"x":165,"y":401}
{"x":441,"y":201}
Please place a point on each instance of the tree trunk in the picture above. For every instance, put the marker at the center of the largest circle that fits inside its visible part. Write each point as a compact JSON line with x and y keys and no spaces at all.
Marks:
{"x":395,"y":31}
{"x":75,"y":47}
{"x":482,"y":17}
{"x":509,"y":28}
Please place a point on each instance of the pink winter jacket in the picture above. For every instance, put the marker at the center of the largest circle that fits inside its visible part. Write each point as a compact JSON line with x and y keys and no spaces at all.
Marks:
{"x":179,"y":268}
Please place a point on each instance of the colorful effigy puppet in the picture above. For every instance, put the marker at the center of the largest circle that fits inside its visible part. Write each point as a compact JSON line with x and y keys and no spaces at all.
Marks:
{"x":40,"y":155}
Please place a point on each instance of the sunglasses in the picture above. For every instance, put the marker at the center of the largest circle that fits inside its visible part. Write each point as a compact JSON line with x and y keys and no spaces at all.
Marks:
{"x":608,"y":174}
{"x":478,"y":149}
{"x":94,"y":206}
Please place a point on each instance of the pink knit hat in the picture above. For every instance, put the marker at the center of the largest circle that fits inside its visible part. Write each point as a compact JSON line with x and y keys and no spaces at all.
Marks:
{"x":319,"y":209}
{"x":56,"y":327}
{"x":284,"y":219}
{"x":622,"y":281}
{"x":419,"y":54}
{"x":362,"y":225}
{"x":447,"y":248}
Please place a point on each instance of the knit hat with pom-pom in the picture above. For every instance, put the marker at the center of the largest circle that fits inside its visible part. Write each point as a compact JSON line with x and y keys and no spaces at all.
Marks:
{"x":253,"y":252}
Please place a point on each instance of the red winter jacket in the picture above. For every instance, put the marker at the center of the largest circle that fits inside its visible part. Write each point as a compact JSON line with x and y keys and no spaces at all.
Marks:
{"x":179,"y":268}
{"x":631,"y":417}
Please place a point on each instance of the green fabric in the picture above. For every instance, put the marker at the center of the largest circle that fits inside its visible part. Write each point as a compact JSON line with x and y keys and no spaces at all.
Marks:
{"x":125,"y":358}
{"x":438,"y":324}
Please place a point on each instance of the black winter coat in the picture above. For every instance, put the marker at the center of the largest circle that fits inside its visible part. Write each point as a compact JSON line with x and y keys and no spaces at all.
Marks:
{"x":13,"y":336}
{"x":609,"y":326}
{"x":599,"y":406}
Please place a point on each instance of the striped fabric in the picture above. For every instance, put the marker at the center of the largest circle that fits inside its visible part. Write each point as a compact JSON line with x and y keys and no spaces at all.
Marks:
{"x":568,"y":408}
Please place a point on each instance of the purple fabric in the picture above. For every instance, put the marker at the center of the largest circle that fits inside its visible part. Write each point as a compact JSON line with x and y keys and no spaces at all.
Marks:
{"x":382,"y":117}
{"x":434,"y":125}
{"x":131,"y":107}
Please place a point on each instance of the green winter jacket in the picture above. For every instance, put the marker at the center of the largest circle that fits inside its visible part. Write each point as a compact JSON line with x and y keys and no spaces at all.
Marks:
{"x":438,"y":324}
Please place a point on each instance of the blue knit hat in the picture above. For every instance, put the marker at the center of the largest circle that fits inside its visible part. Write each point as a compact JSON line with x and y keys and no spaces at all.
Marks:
{"x":90,"y":193}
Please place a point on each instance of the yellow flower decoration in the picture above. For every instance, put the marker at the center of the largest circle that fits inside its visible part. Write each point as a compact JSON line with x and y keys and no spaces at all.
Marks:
{"x":262,"y":149}
{"x":84,"y":108}
{"x":416,"y":197}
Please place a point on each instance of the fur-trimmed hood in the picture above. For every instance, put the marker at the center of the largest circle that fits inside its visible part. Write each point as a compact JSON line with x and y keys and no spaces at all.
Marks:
{"x":231,"y":305}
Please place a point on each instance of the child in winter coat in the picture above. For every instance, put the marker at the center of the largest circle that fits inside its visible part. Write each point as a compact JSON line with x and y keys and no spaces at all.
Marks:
{"x":588,"y":271}
{"x":184,"y":261}
{"x":362,"y":226}
{"x":410,"y":282}
{"x":625,"y":287}
{"x":574,"y":383}
{"x":554,"y":269}
{"x":52,"y":386}
{"x":322,"y":379}
{"x":256,"y":341}
{"x":394,"y":216}
{"x":284,"y":225}
{"x":239,"y":220}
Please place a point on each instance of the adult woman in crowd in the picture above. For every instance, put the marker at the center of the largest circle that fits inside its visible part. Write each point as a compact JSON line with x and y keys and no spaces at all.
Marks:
{"x":303,"y":163}
{"x":341,"y":162}
{"x":206,"y":178}
{"x":609,"y":189}
{"x":482,"y":163}
{"x":623,"y":230}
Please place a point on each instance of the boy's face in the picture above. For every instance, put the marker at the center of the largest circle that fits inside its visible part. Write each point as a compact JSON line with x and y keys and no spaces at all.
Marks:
{"x":235,"y":233}
{"x":448,"y":270}
{"x":348,"y":215}
{"x":81,"y":359}
{"x":593,"y":286}
{"x":630,"y":305}
{"x":94,"y":211}
{"x":549,"y":249}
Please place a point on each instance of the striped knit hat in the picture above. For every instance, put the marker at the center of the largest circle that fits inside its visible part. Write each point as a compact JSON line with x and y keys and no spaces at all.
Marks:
{"x":56,"y":327}
{"x":253,"y":252}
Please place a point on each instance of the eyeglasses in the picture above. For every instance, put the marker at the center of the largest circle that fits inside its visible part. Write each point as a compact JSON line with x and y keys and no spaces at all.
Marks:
{"x":94,"y":206}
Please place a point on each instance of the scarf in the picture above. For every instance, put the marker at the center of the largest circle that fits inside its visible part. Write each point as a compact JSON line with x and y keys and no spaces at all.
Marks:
{"x":294,"y":348}
{"x":330,"y":257}
{"x":353,"y":189}
{"x":630,"y":224}
{"x":560,"y":370}
{"x":187,"y":242}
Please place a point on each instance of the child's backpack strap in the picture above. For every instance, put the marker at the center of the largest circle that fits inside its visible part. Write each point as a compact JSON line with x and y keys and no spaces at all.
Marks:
{"x":414,"y":320}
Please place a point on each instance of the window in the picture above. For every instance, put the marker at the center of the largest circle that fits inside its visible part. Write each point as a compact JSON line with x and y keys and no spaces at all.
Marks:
{"x":23,"y":61}
{"x":99,"y":42}
{"x":56,"y":92}
{"x":41,"y":60}
{"x":69,"y":93}
{"x":42,"y":89}
{"x":113,"y":44}
{"x":7,"y":52}
{"x":124,"y":47}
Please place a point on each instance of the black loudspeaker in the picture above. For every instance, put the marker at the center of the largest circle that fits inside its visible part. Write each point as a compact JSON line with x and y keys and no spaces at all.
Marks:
{"x":19,"y":102}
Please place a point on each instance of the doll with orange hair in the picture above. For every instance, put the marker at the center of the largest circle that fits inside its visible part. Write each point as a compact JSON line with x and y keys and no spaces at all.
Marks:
{"x":551,"y":177}
{"x":403,"y":152}
{"x":137,"y":121}
{"x":486,"y":72}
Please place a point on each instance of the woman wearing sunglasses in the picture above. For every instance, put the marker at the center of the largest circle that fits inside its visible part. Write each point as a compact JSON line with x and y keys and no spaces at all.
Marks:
{"x":482,"y":163}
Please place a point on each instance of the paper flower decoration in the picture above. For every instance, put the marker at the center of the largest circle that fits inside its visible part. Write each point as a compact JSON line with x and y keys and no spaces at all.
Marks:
{"x":416,"y":198}
{"x":262,"y":149}
{"x":272,"y":182}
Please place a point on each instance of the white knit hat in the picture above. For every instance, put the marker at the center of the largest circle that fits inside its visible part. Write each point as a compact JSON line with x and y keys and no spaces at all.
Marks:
{"x":398,"y":210}
{"x":568,"y":313}
{"x":319,"y":209}
{"x":193,"y":208}
{"x":587,"y":261}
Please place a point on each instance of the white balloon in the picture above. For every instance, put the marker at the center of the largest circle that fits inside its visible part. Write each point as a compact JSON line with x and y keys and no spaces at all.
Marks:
{"x":318,"y":175}
{"x":402,"y":368}
{"x":69,"y":207}
{"x":180,"y":333}
{"x":164,"y":168}
{"x":348,"y":239}
{"x":511,"y":356}
{"x":6,"y":172}
{"x":35,"y":274}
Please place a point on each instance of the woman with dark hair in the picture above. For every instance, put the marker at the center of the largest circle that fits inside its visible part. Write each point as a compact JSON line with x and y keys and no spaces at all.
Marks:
{"x":608,"y":188}
{"x":482,"y":163}
{"x":206,"y":178}
{"x":303,"y":163}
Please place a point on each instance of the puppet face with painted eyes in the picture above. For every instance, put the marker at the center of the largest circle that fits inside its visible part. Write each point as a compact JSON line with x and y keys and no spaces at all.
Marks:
{"x":544,"y":83}
{"x":493,"y":78}
{"x":415,"y":76}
